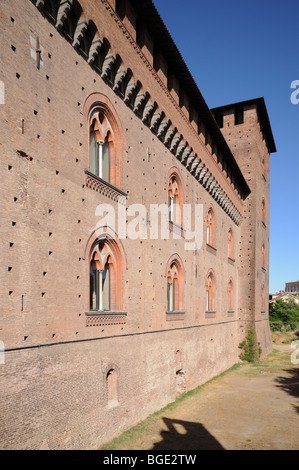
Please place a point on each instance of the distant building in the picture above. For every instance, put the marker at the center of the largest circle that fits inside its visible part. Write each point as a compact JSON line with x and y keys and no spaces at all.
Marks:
{"x":292,"y":286}
{"x":285,"y":296}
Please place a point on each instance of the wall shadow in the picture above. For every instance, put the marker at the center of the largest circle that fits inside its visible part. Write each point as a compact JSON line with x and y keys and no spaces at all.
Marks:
{"x":185,"y":435}
{"x":290,"y":384}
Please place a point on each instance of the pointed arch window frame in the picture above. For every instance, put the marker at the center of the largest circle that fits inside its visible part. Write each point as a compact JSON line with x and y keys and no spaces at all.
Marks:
{"x":175,"y":281}
{"x":210,"y":294}
{"x":176,"y":198}
{"x":98,"y":105}
{"x":105,"y":249}
{"x":211,"y":227}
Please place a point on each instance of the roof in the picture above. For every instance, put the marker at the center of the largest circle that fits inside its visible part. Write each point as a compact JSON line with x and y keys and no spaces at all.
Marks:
{"x":148,"y":14}
{"x":284,"y":294}
{"x":263,"y":115}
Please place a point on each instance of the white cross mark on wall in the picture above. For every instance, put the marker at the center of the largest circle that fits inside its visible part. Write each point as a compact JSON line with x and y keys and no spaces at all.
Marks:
{"x":37,"y":51}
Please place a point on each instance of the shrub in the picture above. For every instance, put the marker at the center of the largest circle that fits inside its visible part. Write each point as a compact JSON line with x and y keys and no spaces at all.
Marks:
{"x":251,"y":349}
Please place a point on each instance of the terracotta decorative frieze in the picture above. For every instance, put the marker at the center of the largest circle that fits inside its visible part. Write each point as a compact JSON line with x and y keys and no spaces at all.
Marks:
{"x":105,"y":319}
{"x":98,"y":184}
{"x":176,"y":315}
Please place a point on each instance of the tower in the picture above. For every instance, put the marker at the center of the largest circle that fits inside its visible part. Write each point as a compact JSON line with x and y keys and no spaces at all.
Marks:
{"x":246,"y":127}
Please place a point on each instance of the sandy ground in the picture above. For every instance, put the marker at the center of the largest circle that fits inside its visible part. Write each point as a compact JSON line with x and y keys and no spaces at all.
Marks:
{"x":253,"y":407}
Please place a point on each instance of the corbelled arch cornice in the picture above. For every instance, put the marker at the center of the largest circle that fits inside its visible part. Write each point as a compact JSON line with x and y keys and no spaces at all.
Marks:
{"x":150,"y":113}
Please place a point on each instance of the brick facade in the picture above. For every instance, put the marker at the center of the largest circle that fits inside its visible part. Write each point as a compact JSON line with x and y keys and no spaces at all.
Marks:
{"x":75,"y":377}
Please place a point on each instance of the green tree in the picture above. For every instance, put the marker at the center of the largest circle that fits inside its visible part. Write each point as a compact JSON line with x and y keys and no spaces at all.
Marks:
{"x":284,"y":314}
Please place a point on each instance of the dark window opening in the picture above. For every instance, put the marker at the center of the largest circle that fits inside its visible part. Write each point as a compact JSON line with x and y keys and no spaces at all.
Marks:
{"x":219,"y":118}
{"x":239,"y":115}
{"x":120,"y":8}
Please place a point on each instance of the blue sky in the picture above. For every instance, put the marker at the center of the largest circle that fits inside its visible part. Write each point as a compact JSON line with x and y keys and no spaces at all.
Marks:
{"x":241,"y":50}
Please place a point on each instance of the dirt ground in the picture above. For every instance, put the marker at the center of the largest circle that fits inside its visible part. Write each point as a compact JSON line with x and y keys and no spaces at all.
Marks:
{"x":250,"y":407}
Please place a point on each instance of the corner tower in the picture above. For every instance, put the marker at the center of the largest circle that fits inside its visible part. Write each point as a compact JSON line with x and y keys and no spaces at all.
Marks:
{"x":246,"y":128}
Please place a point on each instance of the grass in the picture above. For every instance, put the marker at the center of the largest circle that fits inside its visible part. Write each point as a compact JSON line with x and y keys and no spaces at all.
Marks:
{"x":280,"y":338}
{"x":134,"y":432}
{"x":276,"y":362}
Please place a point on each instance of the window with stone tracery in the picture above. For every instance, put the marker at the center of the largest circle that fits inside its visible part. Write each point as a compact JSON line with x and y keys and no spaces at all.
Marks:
{"x":263,"y":298}
{"x":100,"y":146}
{"x":174,"y":286}
{"x":230,"y":244}
{"x":101,"y":268}
{"x":172,"y":199}
{"x":175,"y":198}
{"x":263,"y":212}
{"x":210,"y":292}
{"x":230,"y":292}
{"x":211,"y":227}
{"x":105,"y":277}
{"x":263,"y":256}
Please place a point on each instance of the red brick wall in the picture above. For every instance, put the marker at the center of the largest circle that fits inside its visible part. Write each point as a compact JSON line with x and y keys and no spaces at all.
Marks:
{"x":55,"y":365}
{"x":250,"y":149}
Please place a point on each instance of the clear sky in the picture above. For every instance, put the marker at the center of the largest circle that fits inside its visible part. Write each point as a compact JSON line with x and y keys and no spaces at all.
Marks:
{"x":236,"y":51}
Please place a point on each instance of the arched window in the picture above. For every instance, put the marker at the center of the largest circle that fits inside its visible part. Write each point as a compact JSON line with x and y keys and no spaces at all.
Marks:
{"x":112,"y":388}
{"x":263,"y":212}
{"x":105,"y":275}
{"x":211,"y":227}
{"x":100,"y":146}
{"x":174,"y":285}
{"x":173,"y":200}
{"x":176,"y":197}
{"x":230,"y":292}
{"x":263,"y":256}
{"x":106,"y":142}
{"x":230,"y":244}
{"x":263,"y":168}
{"x":210,"y":292}
{"x":263,"y":298}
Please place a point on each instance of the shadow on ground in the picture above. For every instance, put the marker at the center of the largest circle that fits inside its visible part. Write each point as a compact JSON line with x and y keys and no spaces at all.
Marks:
{"x":185,"y":435}
{"x":290,"y":384}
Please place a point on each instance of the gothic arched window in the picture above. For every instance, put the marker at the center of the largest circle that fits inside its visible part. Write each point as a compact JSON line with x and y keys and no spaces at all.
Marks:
{"x":174,"y":285}
{"x":176,"y":197}
{"x":211,"y":227}
{"x":230,"y":292}
{"x":100,"y":146}
{"x":230,"y":244}
{"x":210,"y":292}
{"x":105,"y":273}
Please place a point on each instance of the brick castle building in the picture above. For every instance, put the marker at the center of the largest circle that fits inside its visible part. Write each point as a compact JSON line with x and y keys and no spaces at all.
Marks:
{"x":101,"y":328}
